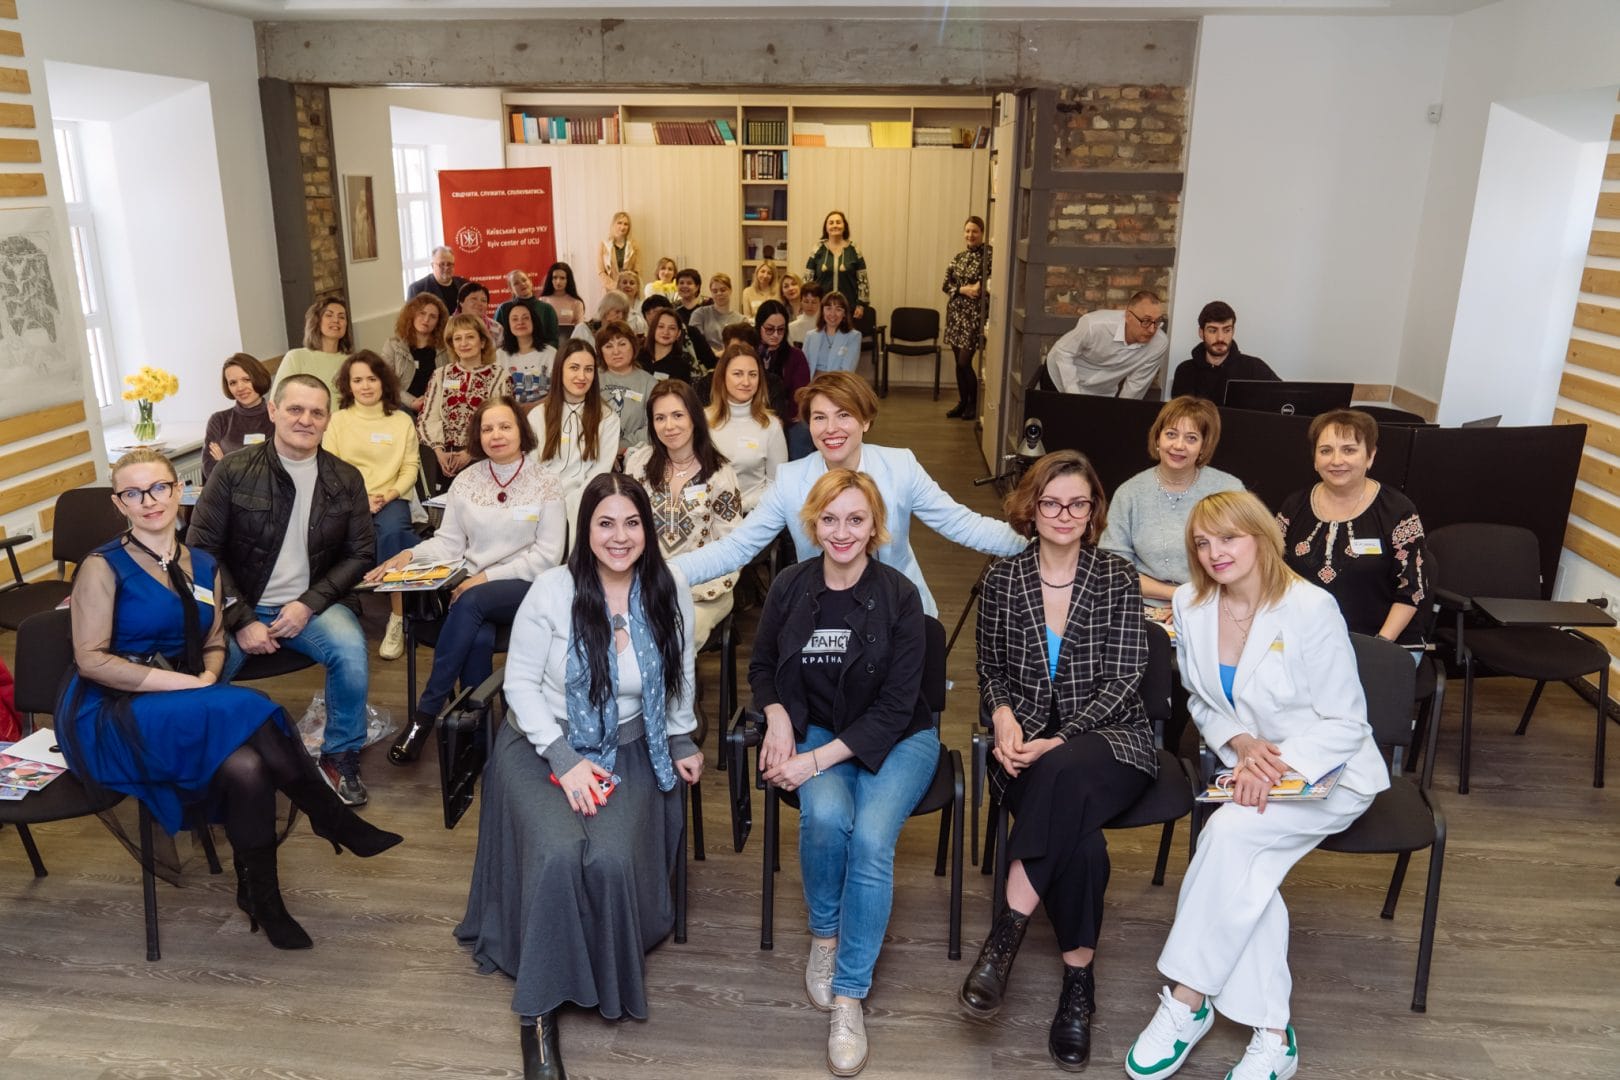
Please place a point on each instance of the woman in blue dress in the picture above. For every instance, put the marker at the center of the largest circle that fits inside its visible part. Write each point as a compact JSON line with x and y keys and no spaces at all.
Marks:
{"x":144,"y":713}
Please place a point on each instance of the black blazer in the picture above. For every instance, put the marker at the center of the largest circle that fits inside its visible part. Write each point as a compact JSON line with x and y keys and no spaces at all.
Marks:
{"x":880,"y":697}
{"x":1099,"y":675}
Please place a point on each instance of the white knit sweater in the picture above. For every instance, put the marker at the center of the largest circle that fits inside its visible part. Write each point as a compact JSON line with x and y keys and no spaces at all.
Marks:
{"x":754,"y":451}
{"x":520,"y":537}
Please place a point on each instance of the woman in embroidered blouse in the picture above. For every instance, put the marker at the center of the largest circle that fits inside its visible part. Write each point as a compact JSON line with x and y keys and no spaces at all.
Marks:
{"x":504,"y":519}
{"x":457,"y":390}
{"x":744,"y":429}
{"x":762,"y":288}
{"x":1061,"y":651}
{"x":695,"y":498}
{"x":966,"y":279}
{"x":836,"y":266}
{"x":576,"y":431}
{"x":528,"y":357}
{"x":417,"y":348}
{"x":245,"y":381}
{"x":145,"y":714}
{"x":1355,"y":537}
{"x":562,"y":294}
{"x":835,"y":344}
{"x":1147,"y":519}
{"x":570,"y":888}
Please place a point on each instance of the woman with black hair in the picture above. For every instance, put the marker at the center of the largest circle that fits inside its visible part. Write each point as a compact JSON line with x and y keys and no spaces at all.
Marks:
{"x":580,"y":825}
{"x":528,"y":355}
{"x":562,"y":295}
{"x":786,"y":371}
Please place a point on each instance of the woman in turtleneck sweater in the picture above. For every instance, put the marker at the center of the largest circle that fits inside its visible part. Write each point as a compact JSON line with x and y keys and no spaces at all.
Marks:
{"x":578,"y":432}
{"x":741,"y":425}
{"x":248,"y":421}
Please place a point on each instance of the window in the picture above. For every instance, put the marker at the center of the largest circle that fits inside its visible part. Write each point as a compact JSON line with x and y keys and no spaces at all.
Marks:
{"x":417,"y":211}
{"x":87,"y":271}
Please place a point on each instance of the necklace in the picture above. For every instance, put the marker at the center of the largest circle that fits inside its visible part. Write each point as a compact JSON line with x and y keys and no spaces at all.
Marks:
{"x":163,"y":561}
{"x":1055,"y":585}
{"x":1243,"y":625}
{"x":500,"y":493}
{"x":1174,"y":497}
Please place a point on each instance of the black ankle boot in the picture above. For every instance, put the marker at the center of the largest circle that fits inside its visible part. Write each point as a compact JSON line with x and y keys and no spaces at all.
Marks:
{"x":264,"y":901}
{"x":986,"y":983}
{"x":408,"y":747}
{"x":958,"y":412}
{"x":970,"y":410}
{"x":1070,"y":1040}
{"x":242,"y":900}
{"x":542,"y":1053}
{"x":334,"y":822}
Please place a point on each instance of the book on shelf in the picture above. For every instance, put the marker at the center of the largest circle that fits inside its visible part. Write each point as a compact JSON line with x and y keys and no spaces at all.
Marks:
{"x":530,"y":129}
{"x":779,"y":204}
{"x":891,"y":134}
{"x":854,"y":136}
{"x":981,"y":138}
{"x":765,"y":132}
{"x":933,"y":136}
{"x":808,"y":134}
{"x":1293,"y":787}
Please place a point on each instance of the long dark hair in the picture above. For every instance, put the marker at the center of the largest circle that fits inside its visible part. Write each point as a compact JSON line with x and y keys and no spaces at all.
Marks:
{"x":773,"y":360}
{"x":503,"y":319}
{"x":709,"y":459}
{"x":592,"y":625}
{"x":556,"y":400}
{"x":569,"y":287}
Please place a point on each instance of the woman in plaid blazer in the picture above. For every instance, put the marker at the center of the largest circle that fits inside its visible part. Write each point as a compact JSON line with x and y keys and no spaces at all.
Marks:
{"x":1062,"y":647}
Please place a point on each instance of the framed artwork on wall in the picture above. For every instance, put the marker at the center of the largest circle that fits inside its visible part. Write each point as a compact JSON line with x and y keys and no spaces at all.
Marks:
{"x":40,"y":363}
{"x":362,"y":218}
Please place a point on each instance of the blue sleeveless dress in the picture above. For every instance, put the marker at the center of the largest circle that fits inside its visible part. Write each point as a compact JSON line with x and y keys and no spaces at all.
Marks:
{"x":161,"y":747}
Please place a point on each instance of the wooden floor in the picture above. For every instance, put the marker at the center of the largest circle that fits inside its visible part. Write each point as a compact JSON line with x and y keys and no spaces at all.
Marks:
{"x":1524,"y":980}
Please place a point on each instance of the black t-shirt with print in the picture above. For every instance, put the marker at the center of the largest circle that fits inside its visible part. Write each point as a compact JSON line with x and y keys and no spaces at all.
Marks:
{"x":822,"y":657}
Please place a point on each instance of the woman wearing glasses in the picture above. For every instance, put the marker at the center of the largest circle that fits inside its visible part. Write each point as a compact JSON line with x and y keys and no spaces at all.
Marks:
{"x":144,"y":712}
{"x":1061,"y":650}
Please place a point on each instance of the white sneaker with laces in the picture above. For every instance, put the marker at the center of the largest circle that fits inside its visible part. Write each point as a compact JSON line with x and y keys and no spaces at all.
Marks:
{"x":846,"y":1039}
{"x":1164,"y":1044}
{"x":393,"y":642}
{"x":818,"y":971}
{"x":1269,"y":1057}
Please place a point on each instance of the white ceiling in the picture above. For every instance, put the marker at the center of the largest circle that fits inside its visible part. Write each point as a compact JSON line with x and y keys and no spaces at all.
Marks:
{"x":754,"y":9}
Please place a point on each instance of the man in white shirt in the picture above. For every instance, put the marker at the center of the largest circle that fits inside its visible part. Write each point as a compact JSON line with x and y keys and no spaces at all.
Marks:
{"x":1112,"y":353}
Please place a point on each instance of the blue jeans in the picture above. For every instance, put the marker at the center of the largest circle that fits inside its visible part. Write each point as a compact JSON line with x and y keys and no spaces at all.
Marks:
{"x":334,"y":640}
{"x":466,"y":648}
{"x":394,"y":532}
{"x":849,"y":821}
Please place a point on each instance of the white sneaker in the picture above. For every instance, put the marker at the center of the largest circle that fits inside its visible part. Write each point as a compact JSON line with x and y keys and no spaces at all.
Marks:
{"x":1164,"y":1044}
{"x":846,"y":1039}
{"x":818,"y":971}
{"x":1269,"y":1057}
{"x":393,"y":642}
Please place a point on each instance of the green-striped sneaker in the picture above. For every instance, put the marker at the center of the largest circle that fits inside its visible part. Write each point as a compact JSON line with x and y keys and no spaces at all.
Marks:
{"x":1269,"y":1057}
{"x":1164,"y":1044}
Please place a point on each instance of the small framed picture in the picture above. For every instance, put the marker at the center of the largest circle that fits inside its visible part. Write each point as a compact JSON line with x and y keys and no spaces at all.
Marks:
{"x":362,"y":218}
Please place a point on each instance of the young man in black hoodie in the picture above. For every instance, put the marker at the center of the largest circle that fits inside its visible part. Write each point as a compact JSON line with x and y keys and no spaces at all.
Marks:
{"x":1215,"y":359}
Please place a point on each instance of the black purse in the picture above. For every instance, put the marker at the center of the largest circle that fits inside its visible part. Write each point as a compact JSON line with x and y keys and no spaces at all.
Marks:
{"x":465,"y":733}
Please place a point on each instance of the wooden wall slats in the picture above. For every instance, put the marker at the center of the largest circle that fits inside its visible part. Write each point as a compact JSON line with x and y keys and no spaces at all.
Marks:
{"x":22,"y":185}
{"x":13,"y":80}
{"x":8,"y":9}
{"x":1614,"y":132}
{"x":38,"y":423}
{"x":1602,"y":282}
{"x":1603,"y":436}
{"x":11,"y":43}
{"x":21,"y":150}
{"x":1605,"y":243}
{"x":1597,"y":318}
{"x":46,"y":487}
{"x":1611,"y":167}
{"x":1600,"y":396}
{"x":16,"y":116}
{"x":1588,"y":354}
{"x":43,"y":454}
{"x":1609,"y":204}
{"x":1600,"y":512}
{"x":1598,"y":552}
{"x":47,"y":519}
{"x":1599,"y":474}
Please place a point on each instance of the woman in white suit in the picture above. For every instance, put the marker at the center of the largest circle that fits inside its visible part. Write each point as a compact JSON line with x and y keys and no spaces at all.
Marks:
{"x":1273,"y":688}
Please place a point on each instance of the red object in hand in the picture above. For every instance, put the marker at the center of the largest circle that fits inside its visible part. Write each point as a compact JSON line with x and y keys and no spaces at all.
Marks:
{"x":600,"y":790}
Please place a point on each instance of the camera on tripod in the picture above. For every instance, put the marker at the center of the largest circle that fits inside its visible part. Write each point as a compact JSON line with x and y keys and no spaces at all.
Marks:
{"x":1030,"y":449}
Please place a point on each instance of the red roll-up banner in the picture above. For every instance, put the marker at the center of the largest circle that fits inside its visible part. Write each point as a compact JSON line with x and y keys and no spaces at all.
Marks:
{"x":497,"y":220}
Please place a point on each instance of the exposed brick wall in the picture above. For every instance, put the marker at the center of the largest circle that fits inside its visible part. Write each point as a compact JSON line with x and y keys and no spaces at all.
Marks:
{"x":320,"y":188}
{"x":1121,"y":127}
{"x":1080,"y":217}
{"x":1071,"y":291}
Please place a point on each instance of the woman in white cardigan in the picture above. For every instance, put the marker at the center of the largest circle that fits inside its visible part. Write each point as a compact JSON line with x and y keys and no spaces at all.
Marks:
{"x":1273,"y":688}
{"x":577,"y":432}
{"x":503,"y":519}
{"x":580,"y":824}
{"x":839,"y":407}
{"x":741,"y":423}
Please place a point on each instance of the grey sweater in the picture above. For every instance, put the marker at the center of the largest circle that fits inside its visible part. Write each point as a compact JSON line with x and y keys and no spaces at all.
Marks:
{"x":1149,"y":529}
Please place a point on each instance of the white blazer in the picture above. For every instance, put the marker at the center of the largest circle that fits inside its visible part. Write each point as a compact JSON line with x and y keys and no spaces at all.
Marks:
{"x":1296,"y":685}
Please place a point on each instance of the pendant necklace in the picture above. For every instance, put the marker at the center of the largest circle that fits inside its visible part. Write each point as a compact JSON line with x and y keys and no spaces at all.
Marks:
{"x":500,"y":493}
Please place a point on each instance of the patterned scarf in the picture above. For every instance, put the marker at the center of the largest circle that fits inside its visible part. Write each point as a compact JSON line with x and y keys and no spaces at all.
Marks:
{"x":594,"y":733}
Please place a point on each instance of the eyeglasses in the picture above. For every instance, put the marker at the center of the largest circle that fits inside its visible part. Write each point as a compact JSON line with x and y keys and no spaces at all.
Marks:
{"x":159,"y":492}
{"x":1146,"y":323}
{"x":772,"y":329}
{"x":1051,"y":508}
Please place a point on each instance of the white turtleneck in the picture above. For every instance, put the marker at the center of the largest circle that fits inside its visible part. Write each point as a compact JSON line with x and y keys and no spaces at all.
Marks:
{"x":572,"y":470}
{"x":754,"y":450}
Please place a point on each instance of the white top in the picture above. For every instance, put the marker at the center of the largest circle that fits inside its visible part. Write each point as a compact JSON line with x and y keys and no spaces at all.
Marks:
{"x":754,"y":451}
{"x":289,"y":578}
{"x":572,"y":471}
{"x":519,"y":537}
{"x":711,"y":322}
{"x":537,"y":662}
{"x":800,"y":328}
{"x":1094,"y":358}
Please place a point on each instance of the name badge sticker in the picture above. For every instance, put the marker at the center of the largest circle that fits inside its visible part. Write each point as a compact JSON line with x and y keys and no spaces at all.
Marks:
{"x":531,"y":512}
{"x":253,"y":438}
{"x":695,"y":493}
{"x":1369,"y":546}
{"x":203,"y":593}
{"x":382,"y":437}
{"x":750,"y":444}
{"x":451,"y":385}
{"x":635,"y":395}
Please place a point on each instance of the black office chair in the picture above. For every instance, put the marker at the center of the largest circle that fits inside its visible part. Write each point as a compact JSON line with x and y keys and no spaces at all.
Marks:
{"x":85,"y":518}
{"x":1479,"y":559}
{"x":913,"y":332}
{"x":872,"y":333}
{"x":944,"y":796}
{"x":1166,"y":801}
{"x":430,"y":479}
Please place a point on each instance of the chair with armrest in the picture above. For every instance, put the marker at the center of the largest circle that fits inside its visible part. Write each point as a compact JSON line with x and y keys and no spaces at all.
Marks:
{"x":85,"y":518}
{"x":1479,"y":560}
{"x":944,"y":797}
{"x":913,"y":332}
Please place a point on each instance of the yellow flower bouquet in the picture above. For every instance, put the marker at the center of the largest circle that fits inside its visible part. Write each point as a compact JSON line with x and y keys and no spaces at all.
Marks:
{"x":147,"y":387}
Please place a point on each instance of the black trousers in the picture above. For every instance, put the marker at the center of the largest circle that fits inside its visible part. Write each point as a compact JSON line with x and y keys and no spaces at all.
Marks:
{"x":1059,"y":806}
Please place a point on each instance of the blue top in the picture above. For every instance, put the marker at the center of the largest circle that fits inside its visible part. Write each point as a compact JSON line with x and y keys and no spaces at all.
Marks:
{"x":1228,"y":676}
{"x":1054,"y":643}
{"x":832,"y":352}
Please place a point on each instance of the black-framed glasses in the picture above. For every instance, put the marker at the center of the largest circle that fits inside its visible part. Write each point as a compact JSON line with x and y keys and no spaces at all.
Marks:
{"x":1051,"y":508}
{"x":1145,"y":323}
{"x":160,"y":491}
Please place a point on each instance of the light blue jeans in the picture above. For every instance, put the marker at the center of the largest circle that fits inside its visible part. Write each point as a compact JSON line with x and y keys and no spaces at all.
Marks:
{"x":334,"y":640}
{"x":849,"y":821}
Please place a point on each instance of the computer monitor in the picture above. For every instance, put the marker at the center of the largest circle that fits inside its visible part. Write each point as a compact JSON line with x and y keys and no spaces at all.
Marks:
{"x":1288,"y":398}
{"x":1484,"y":421}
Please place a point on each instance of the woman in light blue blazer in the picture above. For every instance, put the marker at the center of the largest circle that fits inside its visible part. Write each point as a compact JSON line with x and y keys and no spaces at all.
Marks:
{"x":839,"y":407}
{"x":1273,"y":687}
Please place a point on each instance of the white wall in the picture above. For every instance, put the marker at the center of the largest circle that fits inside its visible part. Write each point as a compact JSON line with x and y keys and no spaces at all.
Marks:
{"x":1307,"y":163}
{"x":464,"y":124}
{"x":1503,"y":53}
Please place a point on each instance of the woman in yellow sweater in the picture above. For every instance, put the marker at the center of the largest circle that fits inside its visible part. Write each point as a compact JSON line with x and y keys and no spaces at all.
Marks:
{"x":370,"y":431}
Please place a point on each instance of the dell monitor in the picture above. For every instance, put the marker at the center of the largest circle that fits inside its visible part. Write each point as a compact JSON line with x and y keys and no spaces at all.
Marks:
{"x":1288,"y":398}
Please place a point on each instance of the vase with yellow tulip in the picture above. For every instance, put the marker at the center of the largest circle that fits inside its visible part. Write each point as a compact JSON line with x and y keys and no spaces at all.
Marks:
{"x":147,"y":387}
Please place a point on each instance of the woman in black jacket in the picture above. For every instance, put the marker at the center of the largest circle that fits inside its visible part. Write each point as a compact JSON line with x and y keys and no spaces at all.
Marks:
{"x":837,"y":671}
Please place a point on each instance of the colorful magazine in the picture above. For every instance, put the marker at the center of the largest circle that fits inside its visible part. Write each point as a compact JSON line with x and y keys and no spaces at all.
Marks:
{"x":1293,"y":787}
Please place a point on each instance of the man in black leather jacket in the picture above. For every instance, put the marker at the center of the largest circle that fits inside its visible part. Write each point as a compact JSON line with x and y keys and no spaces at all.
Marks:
{"x":290,"y":526}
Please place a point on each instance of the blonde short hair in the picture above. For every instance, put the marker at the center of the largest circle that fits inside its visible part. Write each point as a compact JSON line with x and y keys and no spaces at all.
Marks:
{"x":1240,"y":513}
{"x":833,"y":483}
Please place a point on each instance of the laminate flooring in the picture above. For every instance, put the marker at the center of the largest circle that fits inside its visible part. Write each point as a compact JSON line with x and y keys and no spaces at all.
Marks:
{"x":1524,"y":980}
